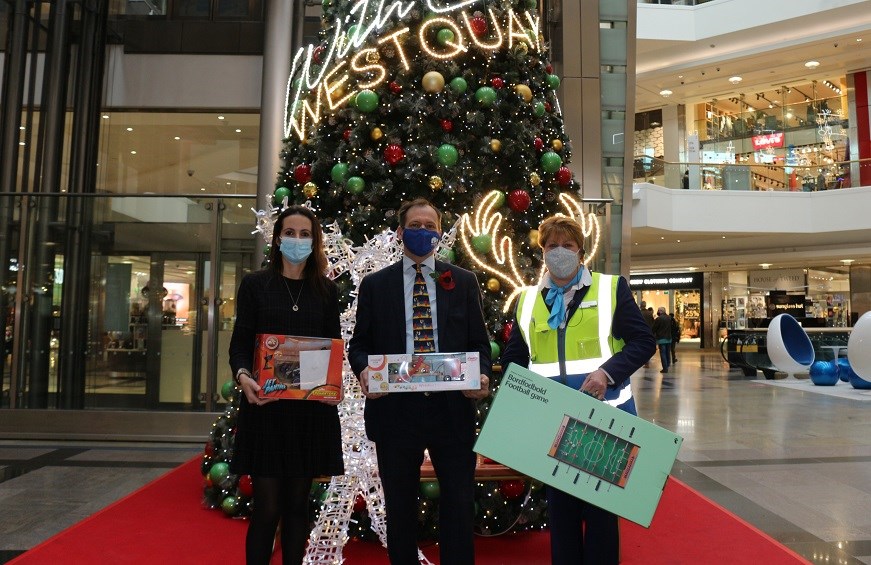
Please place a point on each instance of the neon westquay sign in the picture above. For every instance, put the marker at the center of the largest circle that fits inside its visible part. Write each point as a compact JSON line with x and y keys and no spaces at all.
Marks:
{"x":324,"y":79}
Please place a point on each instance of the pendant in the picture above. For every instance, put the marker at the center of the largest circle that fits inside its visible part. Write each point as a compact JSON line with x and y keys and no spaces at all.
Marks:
{"x":295,"y":308}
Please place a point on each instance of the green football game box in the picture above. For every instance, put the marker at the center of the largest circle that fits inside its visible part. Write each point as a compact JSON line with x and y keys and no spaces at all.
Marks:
{"x":578,"y":444}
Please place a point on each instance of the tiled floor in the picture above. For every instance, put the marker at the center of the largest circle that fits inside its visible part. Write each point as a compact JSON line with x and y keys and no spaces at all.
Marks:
{"x":791,"y":461}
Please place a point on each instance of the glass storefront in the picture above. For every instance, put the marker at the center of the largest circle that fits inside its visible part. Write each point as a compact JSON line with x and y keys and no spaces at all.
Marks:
{"x":679,"y":294}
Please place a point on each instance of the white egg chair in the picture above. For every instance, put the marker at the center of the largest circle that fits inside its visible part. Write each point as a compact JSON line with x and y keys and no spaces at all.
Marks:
{"x":859,"y":347}
{"x":789,"y":347}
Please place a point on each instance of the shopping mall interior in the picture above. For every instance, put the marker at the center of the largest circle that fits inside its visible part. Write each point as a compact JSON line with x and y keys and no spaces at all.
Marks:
{"x":749,"y":175}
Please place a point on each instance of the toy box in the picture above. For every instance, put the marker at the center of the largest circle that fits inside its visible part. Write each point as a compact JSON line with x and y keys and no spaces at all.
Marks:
{"x":291,"y":367}
{"x":578,"y":444}
{"x":424,"y":372}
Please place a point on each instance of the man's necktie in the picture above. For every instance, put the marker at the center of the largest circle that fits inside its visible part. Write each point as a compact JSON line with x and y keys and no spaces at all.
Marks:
{"x":421,"y":318}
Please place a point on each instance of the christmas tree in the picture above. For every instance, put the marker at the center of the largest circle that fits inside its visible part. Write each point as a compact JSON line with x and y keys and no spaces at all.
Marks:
{"x":454,"y":101}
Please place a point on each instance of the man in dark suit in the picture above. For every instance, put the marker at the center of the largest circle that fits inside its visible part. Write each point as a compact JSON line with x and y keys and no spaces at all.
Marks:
{"x":403,"y":425}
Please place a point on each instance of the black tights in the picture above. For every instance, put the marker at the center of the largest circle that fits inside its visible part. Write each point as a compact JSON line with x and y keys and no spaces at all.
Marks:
{"x":278,"y":499}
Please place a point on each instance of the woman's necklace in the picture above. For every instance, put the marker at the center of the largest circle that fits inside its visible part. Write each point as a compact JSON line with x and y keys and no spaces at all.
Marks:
{"x":298,"y":294}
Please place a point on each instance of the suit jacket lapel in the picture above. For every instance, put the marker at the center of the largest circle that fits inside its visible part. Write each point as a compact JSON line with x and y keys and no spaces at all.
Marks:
{"x":443,"y":305}
{"x":396,"y":301}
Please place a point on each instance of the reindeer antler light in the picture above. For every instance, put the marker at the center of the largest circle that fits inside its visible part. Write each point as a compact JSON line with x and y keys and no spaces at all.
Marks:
{"x":479,"y":234}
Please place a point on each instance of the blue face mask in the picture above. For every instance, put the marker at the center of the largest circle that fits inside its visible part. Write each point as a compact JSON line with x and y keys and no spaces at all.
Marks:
{"x":295,"y":249}
{"x":420,"y":241}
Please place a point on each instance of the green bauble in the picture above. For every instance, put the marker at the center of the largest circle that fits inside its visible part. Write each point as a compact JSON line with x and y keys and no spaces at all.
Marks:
{"x":430,"y":489}
{"x":553,"y":81}
{"x":500,"y":199}
{"x":227,"y":390}
{"x":485,"y":96}
{"x":448,"y":255}
{"x":326,"y":3}
{"x":448,"y":155}
{"x":339,"y":172}
{"x":445,"y":36}
{"x":538,"y":109}
{"x":280,"y":194}
{"x":352,"y":32}
{"x":229,"y":505}
{"x":219,"y":472}
{"x":495,"y":350}
{"x":355,"y":185}
{"x":531,"y":4}
{"x":551,"y":162}
{"x":459,"y":85}
{"x":483,"y":243}
{"x":366,"y":101}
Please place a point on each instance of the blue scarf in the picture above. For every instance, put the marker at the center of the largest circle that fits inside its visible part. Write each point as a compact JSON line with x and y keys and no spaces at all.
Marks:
{"x":554,"y":299}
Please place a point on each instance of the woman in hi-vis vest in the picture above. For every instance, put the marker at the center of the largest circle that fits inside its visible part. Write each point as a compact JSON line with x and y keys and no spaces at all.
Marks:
{"x":584,"y":330}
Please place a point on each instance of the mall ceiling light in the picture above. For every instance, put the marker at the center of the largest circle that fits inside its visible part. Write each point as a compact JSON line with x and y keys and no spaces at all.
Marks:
{"x":735,"y":79}
{"x":665,"y":93}
{"x":812,"y":64}
{"x":847,"y":261}
{"x":764,"y":265}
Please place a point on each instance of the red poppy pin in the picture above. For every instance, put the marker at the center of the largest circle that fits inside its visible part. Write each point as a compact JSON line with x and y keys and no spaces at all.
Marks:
{"x":445,"y":279}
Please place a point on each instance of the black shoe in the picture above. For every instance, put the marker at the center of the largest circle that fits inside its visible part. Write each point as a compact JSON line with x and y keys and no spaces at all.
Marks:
{"x":673,"y":361}
{"x":664,"y":371}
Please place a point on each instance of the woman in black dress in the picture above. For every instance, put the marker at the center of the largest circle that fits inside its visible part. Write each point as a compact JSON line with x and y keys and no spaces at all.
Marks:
{"x":284,"y":445}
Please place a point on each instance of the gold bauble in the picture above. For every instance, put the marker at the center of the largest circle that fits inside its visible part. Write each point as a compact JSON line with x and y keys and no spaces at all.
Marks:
{"x":557,"y":145}
{"x":524,"y":91}
{"x":495,"y":145}
{"x":493,"y":285}
{"x":533,"y":238}
{"x":373,"y":57}
{"x":522,"y":47}
{"x":436,"y":182}
{"x":534,"y":179}
{"x":310,"y":189}
{"x":433,"y":81}
{"x":376,"y":134}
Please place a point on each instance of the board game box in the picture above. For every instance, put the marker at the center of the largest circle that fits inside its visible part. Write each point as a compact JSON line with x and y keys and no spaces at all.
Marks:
{"x":424,"y":372}
{"x":301,"y":368}
{"x":578,"y":444}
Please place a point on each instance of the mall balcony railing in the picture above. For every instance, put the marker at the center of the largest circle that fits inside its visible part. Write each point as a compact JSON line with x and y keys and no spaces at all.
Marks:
{"x":749,"y":175}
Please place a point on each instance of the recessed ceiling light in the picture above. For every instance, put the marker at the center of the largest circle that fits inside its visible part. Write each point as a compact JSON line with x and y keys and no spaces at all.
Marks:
{"x":764,"y":265}
{"x":105,"y":116}
{"x":238,"y":130}
{"x":22,"y":143}
{"x":847,"y":261}
{"x":735,"y":79}
{"x":812,"y":64}
{"x":176,"y":138}
{"x":203,"y":188}
{"x":858,"y":40}
{"x":22,"y":128}
{"x":228,"y":182}
{"x":129,"y":129}
{"x":665,"y":93}
{"x":133,"y":152}
{"x":220,"y":117}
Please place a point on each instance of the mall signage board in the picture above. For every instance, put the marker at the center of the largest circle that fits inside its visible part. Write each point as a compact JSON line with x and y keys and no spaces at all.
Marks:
{"x":666,"y":281}
{"x":772,"y":140}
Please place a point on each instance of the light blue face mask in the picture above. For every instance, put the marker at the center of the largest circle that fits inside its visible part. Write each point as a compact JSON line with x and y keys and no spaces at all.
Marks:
{"x":296,"y":249}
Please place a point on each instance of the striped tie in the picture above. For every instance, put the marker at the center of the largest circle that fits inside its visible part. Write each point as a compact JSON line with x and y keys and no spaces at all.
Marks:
{"x":421,"y":319}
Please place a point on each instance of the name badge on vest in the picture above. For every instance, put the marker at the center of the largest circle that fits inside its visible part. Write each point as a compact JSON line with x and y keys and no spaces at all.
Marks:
{"x":589,"y":348}
{"x":589,"y":304}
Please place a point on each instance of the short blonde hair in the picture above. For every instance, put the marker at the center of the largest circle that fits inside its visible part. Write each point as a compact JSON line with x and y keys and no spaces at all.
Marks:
{"x":560,"y":225}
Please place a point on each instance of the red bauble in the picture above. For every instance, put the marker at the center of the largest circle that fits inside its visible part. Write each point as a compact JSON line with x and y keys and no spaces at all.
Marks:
{"x":246,"y":487}
{"x":479,"y":26}
{"x":394,"y":87}
{"x":447,"y":126}
{"x":519,"y":200}
{"x":507,"y":328}
{"x":208,"y":479}
{"x":359,"y":503}
{"x":318,"y":54}
{"x":393,"y":154}
{"x":210,"y":449}
{"x":538,"y":144}
{"x":547,"y":106}
{"x":564,"y":176}
{"x":512,"y":490}
{"x":346,"y":135}
{"x":497,"y":82}
{"x":302,"y":173}
{"x":549,"y":68}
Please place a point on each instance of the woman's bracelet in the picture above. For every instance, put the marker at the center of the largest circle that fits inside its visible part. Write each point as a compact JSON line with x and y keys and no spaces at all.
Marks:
{"x":238,"y":376}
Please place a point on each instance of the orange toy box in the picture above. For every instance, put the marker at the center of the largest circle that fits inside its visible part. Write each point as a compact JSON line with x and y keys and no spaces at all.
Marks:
{"x":302,"y":368}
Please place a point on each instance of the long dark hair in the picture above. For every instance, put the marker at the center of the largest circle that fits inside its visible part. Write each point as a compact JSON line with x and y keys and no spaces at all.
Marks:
{"x":315,"y":268}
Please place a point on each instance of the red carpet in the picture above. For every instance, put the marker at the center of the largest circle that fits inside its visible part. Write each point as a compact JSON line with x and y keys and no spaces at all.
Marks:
{"x":164,"y":522}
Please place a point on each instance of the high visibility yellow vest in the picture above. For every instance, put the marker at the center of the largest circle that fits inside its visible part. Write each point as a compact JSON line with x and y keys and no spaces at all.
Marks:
{"x":588,"y":339}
